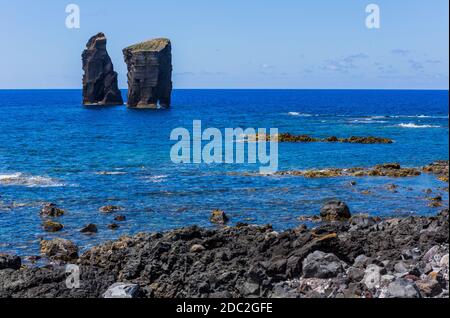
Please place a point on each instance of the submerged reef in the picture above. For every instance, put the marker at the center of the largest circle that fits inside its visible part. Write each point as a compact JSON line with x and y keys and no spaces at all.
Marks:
{"x":287,"y":137}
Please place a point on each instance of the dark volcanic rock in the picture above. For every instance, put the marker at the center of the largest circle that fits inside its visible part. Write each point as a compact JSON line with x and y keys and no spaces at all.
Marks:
{"x":218,"y":217}
{"x":322,"y":265}
{"x":89,"y":229}
{"x":335,"y":211}
{"x":10,"y":261}
{"x":51,"y":210}
{"x":59,"y":249}
{"x":99,"y":79}
{"x":52,"y":226}
{"x":149,"y":74}
{"x":256,"y":261}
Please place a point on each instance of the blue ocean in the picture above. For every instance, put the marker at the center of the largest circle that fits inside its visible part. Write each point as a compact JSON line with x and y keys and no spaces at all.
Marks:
{"x":52,"y":149}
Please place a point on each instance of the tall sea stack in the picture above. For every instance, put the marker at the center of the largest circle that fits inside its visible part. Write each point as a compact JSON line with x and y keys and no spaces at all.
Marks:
{"x":99,"y":79}
{"x":149,"y":74}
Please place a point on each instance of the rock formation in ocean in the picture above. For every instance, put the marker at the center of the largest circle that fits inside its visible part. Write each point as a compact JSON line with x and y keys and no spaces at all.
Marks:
{"x":99,"y":79}
{"x":149,"y":74}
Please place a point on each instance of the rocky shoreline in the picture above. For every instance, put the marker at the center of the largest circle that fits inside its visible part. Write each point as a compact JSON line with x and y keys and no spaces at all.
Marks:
{"x":341,"y":256}
{"x":360,"y":257}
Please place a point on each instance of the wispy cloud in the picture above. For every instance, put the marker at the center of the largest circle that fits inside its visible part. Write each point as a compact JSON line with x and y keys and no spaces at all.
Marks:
{"x":416,"y":65}
{"x":344,"y":64}
{"x":401,"y":52}
{"x":267,"y":66}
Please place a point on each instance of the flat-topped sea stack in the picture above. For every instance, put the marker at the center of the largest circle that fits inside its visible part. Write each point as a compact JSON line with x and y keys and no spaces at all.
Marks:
{"x":99,"y":79}
{"x":149,"y":74}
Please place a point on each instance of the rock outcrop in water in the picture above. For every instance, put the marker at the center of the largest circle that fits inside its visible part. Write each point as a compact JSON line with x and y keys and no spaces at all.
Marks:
{"x":287,"y":137}
{"x":149,"y":74}
{"x":99,"y":79}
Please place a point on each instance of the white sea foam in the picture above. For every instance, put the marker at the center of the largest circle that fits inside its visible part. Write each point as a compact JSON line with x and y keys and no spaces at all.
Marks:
{"x":156,"y":179}
{"x":110,"y":173}
{"x":368,"y":121}
{"x":420,"y":116}
{"x":20,"y":179}
{"x":412,"y":125}
{"x":297,"y":114}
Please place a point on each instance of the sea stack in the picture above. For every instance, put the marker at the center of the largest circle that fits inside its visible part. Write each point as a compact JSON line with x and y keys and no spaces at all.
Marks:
{"x":99,"y":79}
{"x":149,"y":74}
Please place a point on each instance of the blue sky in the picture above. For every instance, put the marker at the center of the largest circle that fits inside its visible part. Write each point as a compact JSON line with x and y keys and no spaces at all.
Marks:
{"x":235,"y":43}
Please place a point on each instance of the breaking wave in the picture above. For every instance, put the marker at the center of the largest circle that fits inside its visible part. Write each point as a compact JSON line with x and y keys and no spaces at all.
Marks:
{"x":20,"y":179}
{"x":412,"y":125}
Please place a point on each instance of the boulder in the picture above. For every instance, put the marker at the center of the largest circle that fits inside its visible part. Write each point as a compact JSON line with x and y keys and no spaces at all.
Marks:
{"x":401,"y":288}
{"x":59,"y":249}
{"x":52,"y":226}
{"x":335,"y":211}
{"x":51,"y":210}
{"x":322,"y":265}
{"x":89,"y":229}
{"x":149,"y":74}
{"x":218,"y":217}
{"x":120,"y":218}
{"x":122,"y":290}
{"x":99,"y":79}
{"x":197,"y":248}
{"x":113,"y":226}
{"x":10,"y":261}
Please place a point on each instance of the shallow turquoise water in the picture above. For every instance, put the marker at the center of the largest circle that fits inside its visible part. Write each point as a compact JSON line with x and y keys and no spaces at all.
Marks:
{"x":54,"y":150}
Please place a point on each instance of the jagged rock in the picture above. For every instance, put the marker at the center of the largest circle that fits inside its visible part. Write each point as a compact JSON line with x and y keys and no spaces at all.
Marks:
{"x":59,"y":249}
{"x":51,"y":210}
{"x":52,"y":226}
{"x":287,"y":137}
{"x":99,"y":79}
{"x":439,"y":168}
{"x":238,"y":260}
{"x":335,"y":211}
{"x":122,"y":290}
{"x":218,"y":217}
{"x":10,"y":261}
{"x":149,"y":74}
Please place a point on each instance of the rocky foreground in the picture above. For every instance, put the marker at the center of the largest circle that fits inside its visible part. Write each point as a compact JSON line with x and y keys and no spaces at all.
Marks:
{"x":356,"y":256}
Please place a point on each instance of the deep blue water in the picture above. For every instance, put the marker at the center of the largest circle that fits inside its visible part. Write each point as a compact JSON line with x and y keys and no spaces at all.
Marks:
{"x":53,"y":150}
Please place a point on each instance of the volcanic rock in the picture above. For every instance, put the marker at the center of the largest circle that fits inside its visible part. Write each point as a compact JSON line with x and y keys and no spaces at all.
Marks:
{"x":218,"y":217}
{"x":89,"y":229}
{"x":10,"y":261}
{"x":52,"y":226}
{"x":99,"y":79}
{"x":149,"y":74}
{"x":335,"y":211}
{"x":51,"y":210}
{"x":59,"y":249}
